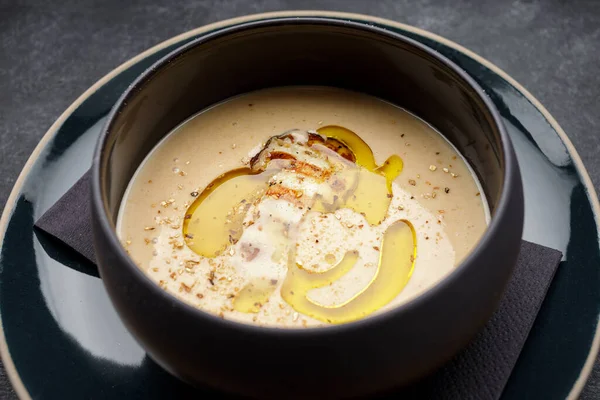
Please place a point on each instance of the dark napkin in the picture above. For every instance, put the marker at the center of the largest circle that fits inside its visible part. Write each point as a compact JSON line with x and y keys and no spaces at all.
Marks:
{"x":69,"y":219}
{"x":479,"y":372}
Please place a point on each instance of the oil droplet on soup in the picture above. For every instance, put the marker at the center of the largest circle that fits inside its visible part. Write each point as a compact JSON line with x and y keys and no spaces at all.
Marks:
{"x":215,"y":221}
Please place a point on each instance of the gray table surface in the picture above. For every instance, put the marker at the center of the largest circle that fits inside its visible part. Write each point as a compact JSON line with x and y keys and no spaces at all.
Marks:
{"x":52,"y":51}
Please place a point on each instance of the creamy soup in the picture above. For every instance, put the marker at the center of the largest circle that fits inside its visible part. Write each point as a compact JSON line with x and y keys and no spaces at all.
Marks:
{"x":301,"y":206}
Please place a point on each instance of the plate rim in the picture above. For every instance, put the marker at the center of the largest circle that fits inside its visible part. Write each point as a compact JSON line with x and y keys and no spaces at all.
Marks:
{"x":9,"y":207}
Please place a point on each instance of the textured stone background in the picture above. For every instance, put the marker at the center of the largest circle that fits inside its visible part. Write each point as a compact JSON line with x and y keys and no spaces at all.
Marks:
{"x":51,"y":51}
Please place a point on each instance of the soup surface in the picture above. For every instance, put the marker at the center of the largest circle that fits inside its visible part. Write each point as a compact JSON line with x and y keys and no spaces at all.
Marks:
{"x":301,"y":206}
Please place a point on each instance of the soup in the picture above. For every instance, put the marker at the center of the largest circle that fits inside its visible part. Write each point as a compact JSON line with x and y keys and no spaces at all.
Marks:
{"x":301,"y":206}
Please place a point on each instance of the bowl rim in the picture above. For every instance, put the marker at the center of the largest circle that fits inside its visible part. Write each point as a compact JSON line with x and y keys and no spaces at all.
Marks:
{"x":108,"y":230}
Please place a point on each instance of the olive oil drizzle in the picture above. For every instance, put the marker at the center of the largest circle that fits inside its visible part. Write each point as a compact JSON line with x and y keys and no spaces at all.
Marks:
{"x":373,"y":193}
{"x":253,"y":295}
{"x":395,"y":267}
{"x":215,"y":221}
{"x":363,"y":154}
{"x":211,"y":223}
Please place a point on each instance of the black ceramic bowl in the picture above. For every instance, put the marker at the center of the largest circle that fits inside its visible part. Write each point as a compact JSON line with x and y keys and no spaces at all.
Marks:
{"x":373,"y":354}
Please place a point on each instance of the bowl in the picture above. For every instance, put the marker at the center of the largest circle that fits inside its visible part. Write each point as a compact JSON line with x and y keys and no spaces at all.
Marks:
{"x":374,"y":354}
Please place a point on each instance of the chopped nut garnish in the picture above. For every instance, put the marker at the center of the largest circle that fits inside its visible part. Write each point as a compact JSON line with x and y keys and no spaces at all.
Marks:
{"x":199,"y":295}
{"x":412,"y":182}
{"x":454,"y":175}
{"x":185,"y":287}
{"x":446,"y":170}
{"x":194,"y":194}
{"x":447,"y":190}
{"x":149,"y":228}
{"x":432,"y":167}
{"x":376,"y":248}
{"x":176,"y":244}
